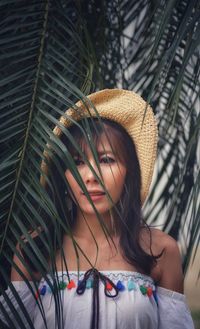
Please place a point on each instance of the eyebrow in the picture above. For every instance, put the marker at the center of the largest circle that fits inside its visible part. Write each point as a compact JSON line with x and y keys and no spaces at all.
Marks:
{"x":101,"y":152}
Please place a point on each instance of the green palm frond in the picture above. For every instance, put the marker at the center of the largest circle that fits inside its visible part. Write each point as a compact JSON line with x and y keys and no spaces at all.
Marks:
{"x":54,"y":52}
{"x":44,"y":65}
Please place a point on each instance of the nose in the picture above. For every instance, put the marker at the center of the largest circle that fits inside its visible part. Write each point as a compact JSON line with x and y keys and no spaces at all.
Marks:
{"x":90,"y":174}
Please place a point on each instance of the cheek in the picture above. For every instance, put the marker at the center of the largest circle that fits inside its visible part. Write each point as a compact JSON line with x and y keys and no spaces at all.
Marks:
{"x":121,"y":174}
{"x":115,"y":178}
{"x":71,"y":180}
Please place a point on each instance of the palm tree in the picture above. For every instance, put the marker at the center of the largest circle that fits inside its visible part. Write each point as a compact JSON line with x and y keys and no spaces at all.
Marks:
{"x":53,"y":52}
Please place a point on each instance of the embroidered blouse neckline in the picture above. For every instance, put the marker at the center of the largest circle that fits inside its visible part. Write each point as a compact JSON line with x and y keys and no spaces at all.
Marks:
{"x":126,"y":273}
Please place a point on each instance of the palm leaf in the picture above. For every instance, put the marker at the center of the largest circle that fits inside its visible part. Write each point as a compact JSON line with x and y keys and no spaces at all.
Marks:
{"x":45,"y":67}
{"x":52,"y":53}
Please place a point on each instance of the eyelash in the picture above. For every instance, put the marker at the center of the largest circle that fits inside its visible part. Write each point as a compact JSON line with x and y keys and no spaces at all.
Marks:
{"x":107,"y":160}
{"x":78,"y":162}
{"x":104,"y":160}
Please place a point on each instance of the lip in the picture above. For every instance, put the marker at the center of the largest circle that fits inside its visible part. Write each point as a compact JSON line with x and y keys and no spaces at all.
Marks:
{"x":96,"y":192}
{"x":95,"y":195}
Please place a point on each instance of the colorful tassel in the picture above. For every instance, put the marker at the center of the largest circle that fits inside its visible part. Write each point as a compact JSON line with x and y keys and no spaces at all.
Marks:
{"x":71,"y":285}
{"x":109,"y":286}
{"x":149,"y":291}
{"x":155,"y":296}
{"x":89,"y":284}
{"x":62,"y":285}
{"x":131,"y":285}
{"x":143,"y":290}
{"x":120,"y":286}
{"x":49,"y":289}
{"x":81,"y":286}
{"x":43,"y":290}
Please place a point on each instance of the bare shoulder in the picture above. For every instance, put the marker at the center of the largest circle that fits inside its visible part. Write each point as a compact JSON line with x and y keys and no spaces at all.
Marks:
{"x":162,"y":240}
{"x":168,"y":271}
{"x":159,"y":241}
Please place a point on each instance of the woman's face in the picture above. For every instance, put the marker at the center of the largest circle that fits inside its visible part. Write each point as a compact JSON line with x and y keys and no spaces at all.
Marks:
{"x":113,"y":173}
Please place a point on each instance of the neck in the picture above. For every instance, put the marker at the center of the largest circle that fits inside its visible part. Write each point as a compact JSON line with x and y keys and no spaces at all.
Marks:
{"x":90,"y":227}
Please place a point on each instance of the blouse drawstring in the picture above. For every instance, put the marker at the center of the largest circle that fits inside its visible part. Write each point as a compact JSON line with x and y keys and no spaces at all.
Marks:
{"x":97,"y":276}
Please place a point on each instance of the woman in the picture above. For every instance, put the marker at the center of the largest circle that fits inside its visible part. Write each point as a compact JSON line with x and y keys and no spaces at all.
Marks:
{"x":111,"y":269}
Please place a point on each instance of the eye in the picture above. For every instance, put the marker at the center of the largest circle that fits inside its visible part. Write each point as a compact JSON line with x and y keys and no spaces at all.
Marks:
{"x":78,"y":161}
{"x":107,"y":159}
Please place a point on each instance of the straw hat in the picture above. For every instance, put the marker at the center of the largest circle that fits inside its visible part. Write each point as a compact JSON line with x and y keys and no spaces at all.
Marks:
{"x":130,"y":111}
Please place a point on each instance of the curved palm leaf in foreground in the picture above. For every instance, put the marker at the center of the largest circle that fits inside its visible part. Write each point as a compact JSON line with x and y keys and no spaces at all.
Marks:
{"x":42,"y":58}
{"x":47,"y":60}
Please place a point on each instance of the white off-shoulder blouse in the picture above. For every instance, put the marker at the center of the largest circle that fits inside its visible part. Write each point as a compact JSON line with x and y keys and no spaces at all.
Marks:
{"x":92,"y":299}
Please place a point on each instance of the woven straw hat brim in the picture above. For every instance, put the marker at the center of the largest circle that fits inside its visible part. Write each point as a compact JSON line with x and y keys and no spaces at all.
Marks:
{"x":130,"y":111}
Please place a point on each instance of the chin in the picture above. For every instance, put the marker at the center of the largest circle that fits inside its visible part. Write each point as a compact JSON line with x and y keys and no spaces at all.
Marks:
{"x":90,"y":211}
